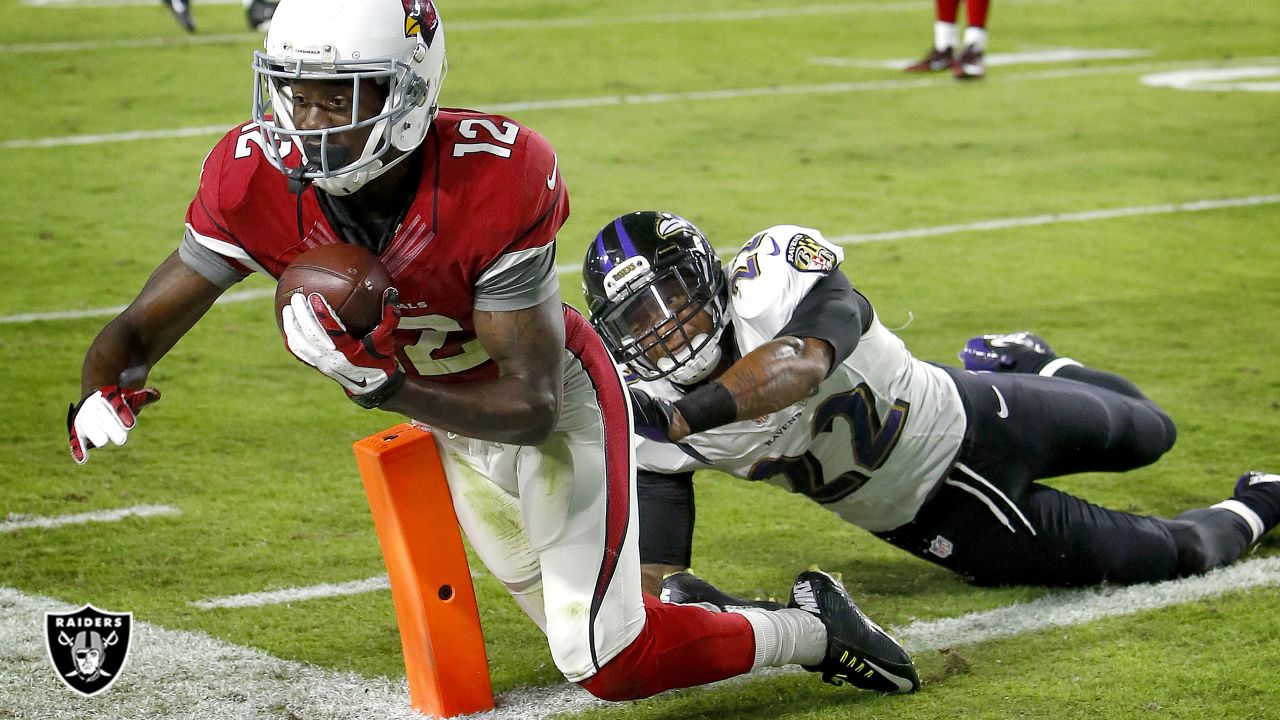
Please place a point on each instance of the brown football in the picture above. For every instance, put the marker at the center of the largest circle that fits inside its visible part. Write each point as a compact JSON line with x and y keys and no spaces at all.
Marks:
{"x":348,"y":276}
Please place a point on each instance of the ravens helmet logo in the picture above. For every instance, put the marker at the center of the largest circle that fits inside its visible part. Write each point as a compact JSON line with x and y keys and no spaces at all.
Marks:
{"x":420,"y":19}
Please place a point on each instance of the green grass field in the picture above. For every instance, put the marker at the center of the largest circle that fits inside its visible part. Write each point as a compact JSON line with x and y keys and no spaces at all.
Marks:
{"x":738,"y":115}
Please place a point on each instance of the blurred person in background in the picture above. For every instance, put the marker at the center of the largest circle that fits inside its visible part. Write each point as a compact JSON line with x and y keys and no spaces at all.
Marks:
{"x":969,"y":63}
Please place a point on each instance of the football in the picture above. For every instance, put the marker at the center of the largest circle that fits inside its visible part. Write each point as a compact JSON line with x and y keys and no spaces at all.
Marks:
{"x":348,"y":276}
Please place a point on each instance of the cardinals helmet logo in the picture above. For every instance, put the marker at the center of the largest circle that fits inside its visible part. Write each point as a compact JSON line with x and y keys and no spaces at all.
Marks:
{"x":420,"y":19}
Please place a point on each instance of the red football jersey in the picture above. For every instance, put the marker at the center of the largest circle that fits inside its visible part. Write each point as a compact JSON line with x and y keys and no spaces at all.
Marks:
{"x":489,"y":188}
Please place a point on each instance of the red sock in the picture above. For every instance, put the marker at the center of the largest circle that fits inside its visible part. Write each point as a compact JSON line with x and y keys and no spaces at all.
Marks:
{"x":680,"y":646}
{"x":947,"y":10}
{"x":976,"y":11}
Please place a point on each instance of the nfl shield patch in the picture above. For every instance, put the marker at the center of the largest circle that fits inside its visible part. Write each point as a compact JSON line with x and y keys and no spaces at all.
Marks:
{"x":88,"y":647}
{"x":941,"y":547}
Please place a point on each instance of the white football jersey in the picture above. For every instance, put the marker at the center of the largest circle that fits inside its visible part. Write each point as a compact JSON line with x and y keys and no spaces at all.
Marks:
{"x":882,"y":429}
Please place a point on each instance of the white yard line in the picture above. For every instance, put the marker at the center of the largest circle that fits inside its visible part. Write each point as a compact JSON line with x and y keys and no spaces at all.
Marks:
{"x":77,"y":46}
{"x":237,"y":296}
{"x":1237,"y":79}
{"x":288,"y":595}
{"x":175,"y":674}
{"x":297,"y":594}
{"x":854,"y":239}
{"x":1048,"y":55}
{"x":15,"y":522}
{"x":681,"y":97}
{"x":76,"y":4}
{"x":463,"y":26}
{"x":1033,"y":220}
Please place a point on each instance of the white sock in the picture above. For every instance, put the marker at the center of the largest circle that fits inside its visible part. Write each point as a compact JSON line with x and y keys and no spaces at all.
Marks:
{"x":945,"y":35}
{"x":786,"y":636}
{"x":976,"y":37}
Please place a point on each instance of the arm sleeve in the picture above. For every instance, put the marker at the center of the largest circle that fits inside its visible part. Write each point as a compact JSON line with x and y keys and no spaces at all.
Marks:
{"x":518,"y":280}
{"x":832,"y":311}
{"x":666,"y":517}
{"x":215,"y":268}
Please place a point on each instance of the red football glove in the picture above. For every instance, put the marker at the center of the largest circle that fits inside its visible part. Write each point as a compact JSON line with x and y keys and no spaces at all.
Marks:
{"x":365,"y":367}
{"x":104,"y":417}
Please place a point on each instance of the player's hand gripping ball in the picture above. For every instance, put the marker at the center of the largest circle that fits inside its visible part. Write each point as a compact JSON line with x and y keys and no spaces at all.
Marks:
{"x":350,"y":278}
{"x":338,"y":314}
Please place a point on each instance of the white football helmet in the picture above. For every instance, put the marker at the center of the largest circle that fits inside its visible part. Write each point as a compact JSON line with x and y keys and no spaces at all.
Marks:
{"x":397,"y":43}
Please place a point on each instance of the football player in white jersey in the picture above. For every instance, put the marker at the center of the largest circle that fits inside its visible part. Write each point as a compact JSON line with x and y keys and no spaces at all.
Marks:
{"x":775,"y":368}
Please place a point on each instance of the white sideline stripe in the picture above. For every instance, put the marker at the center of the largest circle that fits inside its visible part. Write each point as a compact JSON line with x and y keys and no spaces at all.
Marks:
{"x":1077,"y":607}
{"x":572,"y":269}
{"x":311,"y":592}
{"x":16,"y":522}
{"x":203,"y":678}
{"x":662,"y":98}
{"x":1048,"y":55}
{"x":181,"y":675}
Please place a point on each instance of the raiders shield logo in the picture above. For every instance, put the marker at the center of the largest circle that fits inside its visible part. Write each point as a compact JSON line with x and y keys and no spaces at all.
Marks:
{"x":88,"y":647}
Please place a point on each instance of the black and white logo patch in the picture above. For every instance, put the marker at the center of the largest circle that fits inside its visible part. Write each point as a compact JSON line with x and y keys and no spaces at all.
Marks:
{"x":88,"y":647}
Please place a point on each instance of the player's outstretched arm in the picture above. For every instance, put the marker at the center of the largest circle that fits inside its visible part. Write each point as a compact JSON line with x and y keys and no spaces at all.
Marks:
{"x":521,"y":406}
{"x":779,"y":373}
{"x":115,"y":368}
{"x":824,"y":329}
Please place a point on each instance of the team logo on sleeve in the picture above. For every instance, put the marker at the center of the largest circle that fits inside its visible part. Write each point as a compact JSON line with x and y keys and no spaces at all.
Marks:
{"x":420,"y":19}
{"x":808,"y":255}
{"x":88,"y":647}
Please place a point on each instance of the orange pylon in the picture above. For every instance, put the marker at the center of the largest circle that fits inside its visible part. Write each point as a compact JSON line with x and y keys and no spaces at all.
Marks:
{"x":435,"y":603}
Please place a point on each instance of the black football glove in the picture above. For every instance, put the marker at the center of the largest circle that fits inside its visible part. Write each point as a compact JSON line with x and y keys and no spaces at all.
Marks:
{"x":653,"y":415}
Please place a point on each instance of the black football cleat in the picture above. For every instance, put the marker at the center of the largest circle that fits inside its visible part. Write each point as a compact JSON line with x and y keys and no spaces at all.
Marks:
{"x":181,"y":10}
{"x":1020,"y":352}
{"x":859,"y":652}
{"x":971,"y":65}
{"x":1252,"y":478}
{"x":685,"y":588}
{"x":935,"y":61}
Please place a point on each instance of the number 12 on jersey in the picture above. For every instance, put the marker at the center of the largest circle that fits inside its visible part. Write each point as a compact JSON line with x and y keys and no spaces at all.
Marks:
{"x":503,"y":140}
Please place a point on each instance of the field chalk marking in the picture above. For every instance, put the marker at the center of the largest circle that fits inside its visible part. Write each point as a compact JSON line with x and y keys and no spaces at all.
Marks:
{"x":181,"y":674}
{"x":978,"y":226}
{"x":14,"y":521}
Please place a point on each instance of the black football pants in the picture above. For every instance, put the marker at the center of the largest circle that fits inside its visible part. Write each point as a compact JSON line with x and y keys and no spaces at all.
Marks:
{"x":992,"y":523}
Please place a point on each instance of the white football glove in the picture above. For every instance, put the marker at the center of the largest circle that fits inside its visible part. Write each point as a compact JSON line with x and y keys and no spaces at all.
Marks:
{"x":365,"y":367}
{"x":105,"y":417}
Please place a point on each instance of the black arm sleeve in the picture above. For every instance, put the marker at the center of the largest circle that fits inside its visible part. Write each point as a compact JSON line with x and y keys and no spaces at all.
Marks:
{"x":666,"y":517}
{"x":832,"y":311}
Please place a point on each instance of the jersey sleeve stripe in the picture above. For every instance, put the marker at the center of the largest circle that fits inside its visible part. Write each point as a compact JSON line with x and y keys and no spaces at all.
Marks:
{"x":228,"y":250}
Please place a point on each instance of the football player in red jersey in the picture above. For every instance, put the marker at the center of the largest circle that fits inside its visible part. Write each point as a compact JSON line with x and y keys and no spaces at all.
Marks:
{"x":532,"y":418}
